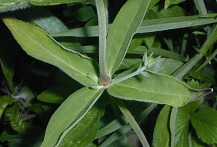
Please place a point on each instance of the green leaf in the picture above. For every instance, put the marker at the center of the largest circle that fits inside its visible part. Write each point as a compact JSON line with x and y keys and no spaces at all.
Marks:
{"x":44,"y":48}
{"x":71,"y":111}
{"x":200,"y":7}
{"x":55,"y":95}
{"x":85,"y":131}
{"x":13,"y":114}
{"x":162,"y":128}
{"x":7,"y":65}
{"x":116,"y":124}
{"x":195,"y":142}
{"x":165,"y":66}
{"x":4,"y":102}
{"x":181,"y":128}
{"x":181,"y":123}
{"x":148,"y":26}
{"x":204,"y":122}
{"x":172,"y":2}
{"x":55,"y":2}
{"x":122,"y":30}
{"x":211,"y":40}
{"x":187,"y":66}
{"x":159,"y":88}
{"x":84,"y":13}
{"x":10,"y":5}
{"x":158,"y":52}
{"x":208,"y":60}
{"x":174,"y":11}
{"x":44,"y":19}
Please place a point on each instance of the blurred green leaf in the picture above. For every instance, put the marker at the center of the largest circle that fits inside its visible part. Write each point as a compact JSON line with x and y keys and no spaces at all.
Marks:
{"x":84,"y":13}
{"x":158,"y":52}
{"x":55,"y":95}
{"x":43,"y":112}
{"x":55,"y":2}
{"x":44,"y":19}
{"x":162,"y":128}
{"x":4,"y":102}
{"x":174,"y":11}
{"x":195,"y":142}
{"x":171,"y":2}
{"x":204,"y":122}
{"x":85,"y":131}
{"x":7,"y":65}
{"x":187,"y":67}
{"x":210,"y":41}
{"x":208,"y":59}
{"x":129,"y":62}
{"x":10,"y":5}
{"x":27,"y":95}
{"x":13,"y":114}
{"x":201,"y":6}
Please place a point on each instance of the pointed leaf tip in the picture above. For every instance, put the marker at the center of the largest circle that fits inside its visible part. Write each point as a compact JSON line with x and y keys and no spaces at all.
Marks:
{"x":159,"y":88}
{"x":47,"y":50}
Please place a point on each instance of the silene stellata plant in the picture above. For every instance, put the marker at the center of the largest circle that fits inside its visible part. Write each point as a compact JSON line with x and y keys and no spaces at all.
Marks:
{"x":147,"y":80}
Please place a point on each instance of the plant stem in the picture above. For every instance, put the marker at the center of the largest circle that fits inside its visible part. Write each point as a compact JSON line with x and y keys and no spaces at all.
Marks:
{"x":173,"y":125}
{"x":132,"y":122}
{"x":102,"y":22}
{"x":129,"y":76}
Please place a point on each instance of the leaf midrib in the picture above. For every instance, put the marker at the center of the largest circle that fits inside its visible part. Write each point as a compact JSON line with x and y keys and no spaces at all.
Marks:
{"x":150,"y":91}
{"x":50,"y":53}
{"x":112,"y":69}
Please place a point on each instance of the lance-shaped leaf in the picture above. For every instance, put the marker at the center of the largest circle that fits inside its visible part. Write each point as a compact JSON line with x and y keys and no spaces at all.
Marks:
{"x":85,"y":131}
{"x":39,"y":45}
{"x":158,"y":88}
{"x":7,"y":68}
{"x":148,"y":26}
{"x":71,"y":111}
{"x":122,"y":30}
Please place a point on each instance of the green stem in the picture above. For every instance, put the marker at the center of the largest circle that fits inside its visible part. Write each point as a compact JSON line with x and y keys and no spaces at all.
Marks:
{"x":173,"y":125}
{"x":102,"y":22}
{"x":138,"y":71}
{"x":132,"y":122}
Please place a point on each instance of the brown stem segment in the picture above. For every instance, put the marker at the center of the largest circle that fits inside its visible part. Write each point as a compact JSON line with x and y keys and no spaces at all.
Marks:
{"x":104,"y":80}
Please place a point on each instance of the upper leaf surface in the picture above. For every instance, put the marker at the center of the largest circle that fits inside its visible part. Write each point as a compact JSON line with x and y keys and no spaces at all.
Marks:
{"x":85,"y":131}
{"x":71,"y":111}
{"x":204,"y":122}
{"x":158,"y":88}
{"x":122,"y":30}
{"x":39,"y":45}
